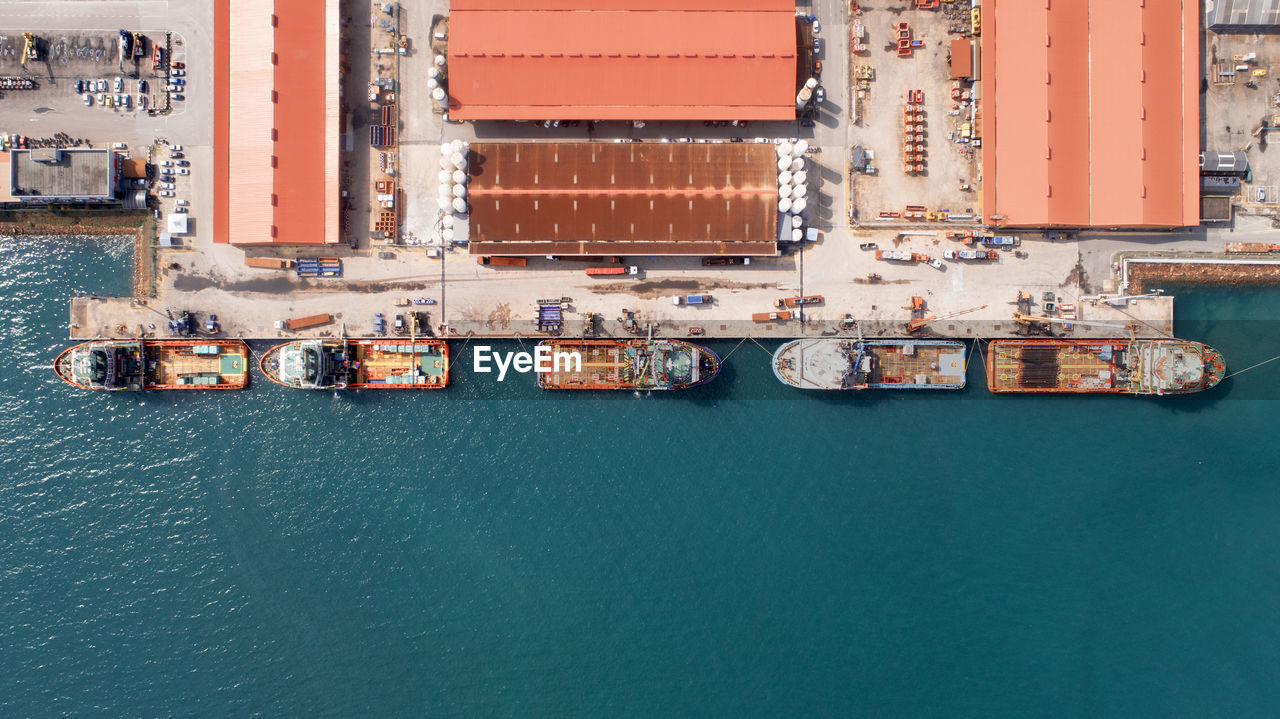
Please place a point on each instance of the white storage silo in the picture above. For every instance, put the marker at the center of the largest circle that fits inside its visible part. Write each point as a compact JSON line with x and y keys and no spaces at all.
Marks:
{"x":784,"y":177}
{"x":798,"y":206}
{"x":784,"y":205}
{"x":797,"y":164}
{"x":459,"y":177}
{"x":459,"y":190}
{"x":799,"y":191}
{"x":799,"y":178}
{"x":799,"y":148}
{"x":460,"y":205}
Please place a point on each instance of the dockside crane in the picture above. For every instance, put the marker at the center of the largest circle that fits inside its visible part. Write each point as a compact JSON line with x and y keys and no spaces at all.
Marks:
{"x":1027,"y":319}
{"x":921,"y":322}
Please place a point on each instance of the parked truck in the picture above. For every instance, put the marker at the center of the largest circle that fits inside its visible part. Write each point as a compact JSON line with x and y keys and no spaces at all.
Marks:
{"x":770,"y":316}
{"x":618,"y":270}
{"x":691,"y":300}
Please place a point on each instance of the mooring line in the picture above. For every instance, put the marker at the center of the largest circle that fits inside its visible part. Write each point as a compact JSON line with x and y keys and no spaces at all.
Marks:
{"x":1246,"y":369}
{"x":735,"y":349}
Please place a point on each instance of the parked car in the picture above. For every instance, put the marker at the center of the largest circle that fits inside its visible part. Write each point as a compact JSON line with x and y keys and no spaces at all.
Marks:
{"x":178,"y":98}
{"x":935,"y":263}
{"x":101,"y":98}
{"x":175,"y":155}
{"x":183,"y":171}
{"x":819,"y":95}
{"x":166,"y":193}
{"x":88,"y":100}
{"x":183,"y":203}
{"x":177,"y":72}
{"x":184,"y":163}
{"x":178,"y":65}
{"x":179,"y":209}
{"x":166,"y":163}
{"x":128,"y":101}
{"x":177,"y":81}
{"x":79,"y":86}
{"x":142,"y":86}
{"x":166,"y":185}
{"x":142,"y":102}
{"x":175,"y":148}
{"x":117,"y":85}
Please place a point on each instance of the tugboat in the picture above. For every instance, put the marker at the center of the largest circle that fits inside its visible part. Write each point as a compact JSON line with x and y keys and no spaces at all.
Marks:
{"x":137,"y":365}
{"x":1111,"y":366}
{"x":637,"y":364}
{"x":359,"y":364}
{"x":835,"y":364}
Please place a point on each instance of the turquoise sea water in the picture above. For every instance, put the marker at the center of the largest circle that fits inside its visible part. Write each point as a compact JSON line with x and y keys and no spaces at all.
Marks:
{"x":739,"y":550}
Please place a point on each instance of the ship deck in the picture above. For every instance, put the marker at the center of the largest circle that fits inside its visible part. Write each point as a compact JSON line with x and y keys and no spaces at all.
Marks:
{"x":604,"y":366}
{"x":196,"y":365}
{"x":1077,"y":367}
{"x":400,"y":363}
{"x":936,"y":364}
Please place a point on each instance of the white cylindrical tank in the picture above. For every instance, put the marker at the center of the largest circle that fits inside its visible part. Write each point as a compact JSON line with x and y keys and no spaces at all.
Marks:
{"x":784,"y":148}
{"x":444,"y":177}
{"x":445,"y":191}
{"x":784,"y":191}
{"x":432,"y":83}
{"x":797,"y":235}
{"x":784,"y":163}
{"x":444,"y":203}
{"x":447,"y":220}
{"x":439,"y":60}
{"x":447,"y":234}
{"x":459,"y":161}
{"x":459,"y":190}
{"x":459,"y":177}
{"x":798,"y":206}
{"x":784,"y":205}
{"x":459,"y":205}
{"x":797,"y":220}
{"x":446,"y":149}
{"x":441,"y":99}
{"x":811,"y":83}
{"x":799,"y":191}
{"x":799,"y":178}
{"x":799,"y":148}
{"x":434,"y":72}
{"x":797,"y":165}
{"x":784,"y":177}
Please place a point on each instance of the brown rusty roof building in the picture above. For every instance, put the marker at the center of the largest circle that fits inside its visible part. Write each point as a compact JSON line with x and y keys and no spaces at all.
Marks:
{"x":623,"y":199}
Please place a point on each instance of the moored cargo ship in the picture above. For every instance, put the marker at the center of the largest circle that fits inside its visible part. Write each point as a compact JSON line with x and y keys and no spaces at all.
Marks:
{"x":1116,"y":366}
{"x":629,"y":364}
{"x":137,"y":365}
{"x":835,"y":364}
{"x":358,"y":364}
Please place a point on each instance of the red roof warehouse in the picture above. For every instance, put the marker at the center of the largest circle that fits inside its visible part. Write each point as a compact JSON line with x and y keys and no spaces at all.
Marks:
{"x":622,"y":59}
{"x":1090,"y":113}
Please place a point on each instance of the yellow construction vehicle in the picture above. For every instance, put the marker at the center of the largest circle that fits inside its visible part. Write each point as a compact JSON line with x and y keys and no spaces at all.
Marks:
{"x":30,"y":48}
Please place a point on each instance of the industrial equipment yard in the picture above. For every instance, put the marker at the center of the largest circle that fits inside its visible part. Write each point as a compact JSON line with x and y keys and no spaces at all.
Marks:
{"x":889,"y":142}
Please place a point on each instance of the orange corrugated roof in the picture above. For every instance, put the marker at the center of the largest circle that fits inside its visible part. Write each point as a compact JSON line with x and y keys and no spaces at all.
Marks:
{"x":616,"y":59}
{"x":276,"y":123}
{"x":1091,"y":116}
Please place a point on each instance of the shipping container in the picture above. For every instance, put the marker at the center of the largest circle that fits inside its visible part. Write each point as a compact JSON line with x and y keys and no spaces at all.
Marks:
{"x":503,"y":261}
{"x":302,"y":323}
{"x":267,"y":263}
{"x":770,"y":316}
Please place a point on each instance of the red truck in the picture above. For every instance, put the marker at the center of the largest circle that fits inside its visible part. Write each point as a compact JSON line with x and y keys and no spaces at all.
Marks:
{"x":616,"y":270}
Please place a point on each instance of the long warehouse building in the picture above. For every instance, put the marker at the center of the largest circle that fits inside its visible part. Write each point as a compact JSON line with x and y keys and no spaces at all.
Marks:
{"x":623,"y":199}
{"x":1090,"y":113}
{"x":276,"y":124}
{"x":622,"y":60}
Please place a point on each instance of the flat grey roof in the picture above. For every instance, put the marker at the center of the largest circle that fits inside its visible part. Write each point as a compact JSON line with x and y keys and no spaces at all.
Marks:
{"x":1245,"y":15}
{"x":76,"y":173}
